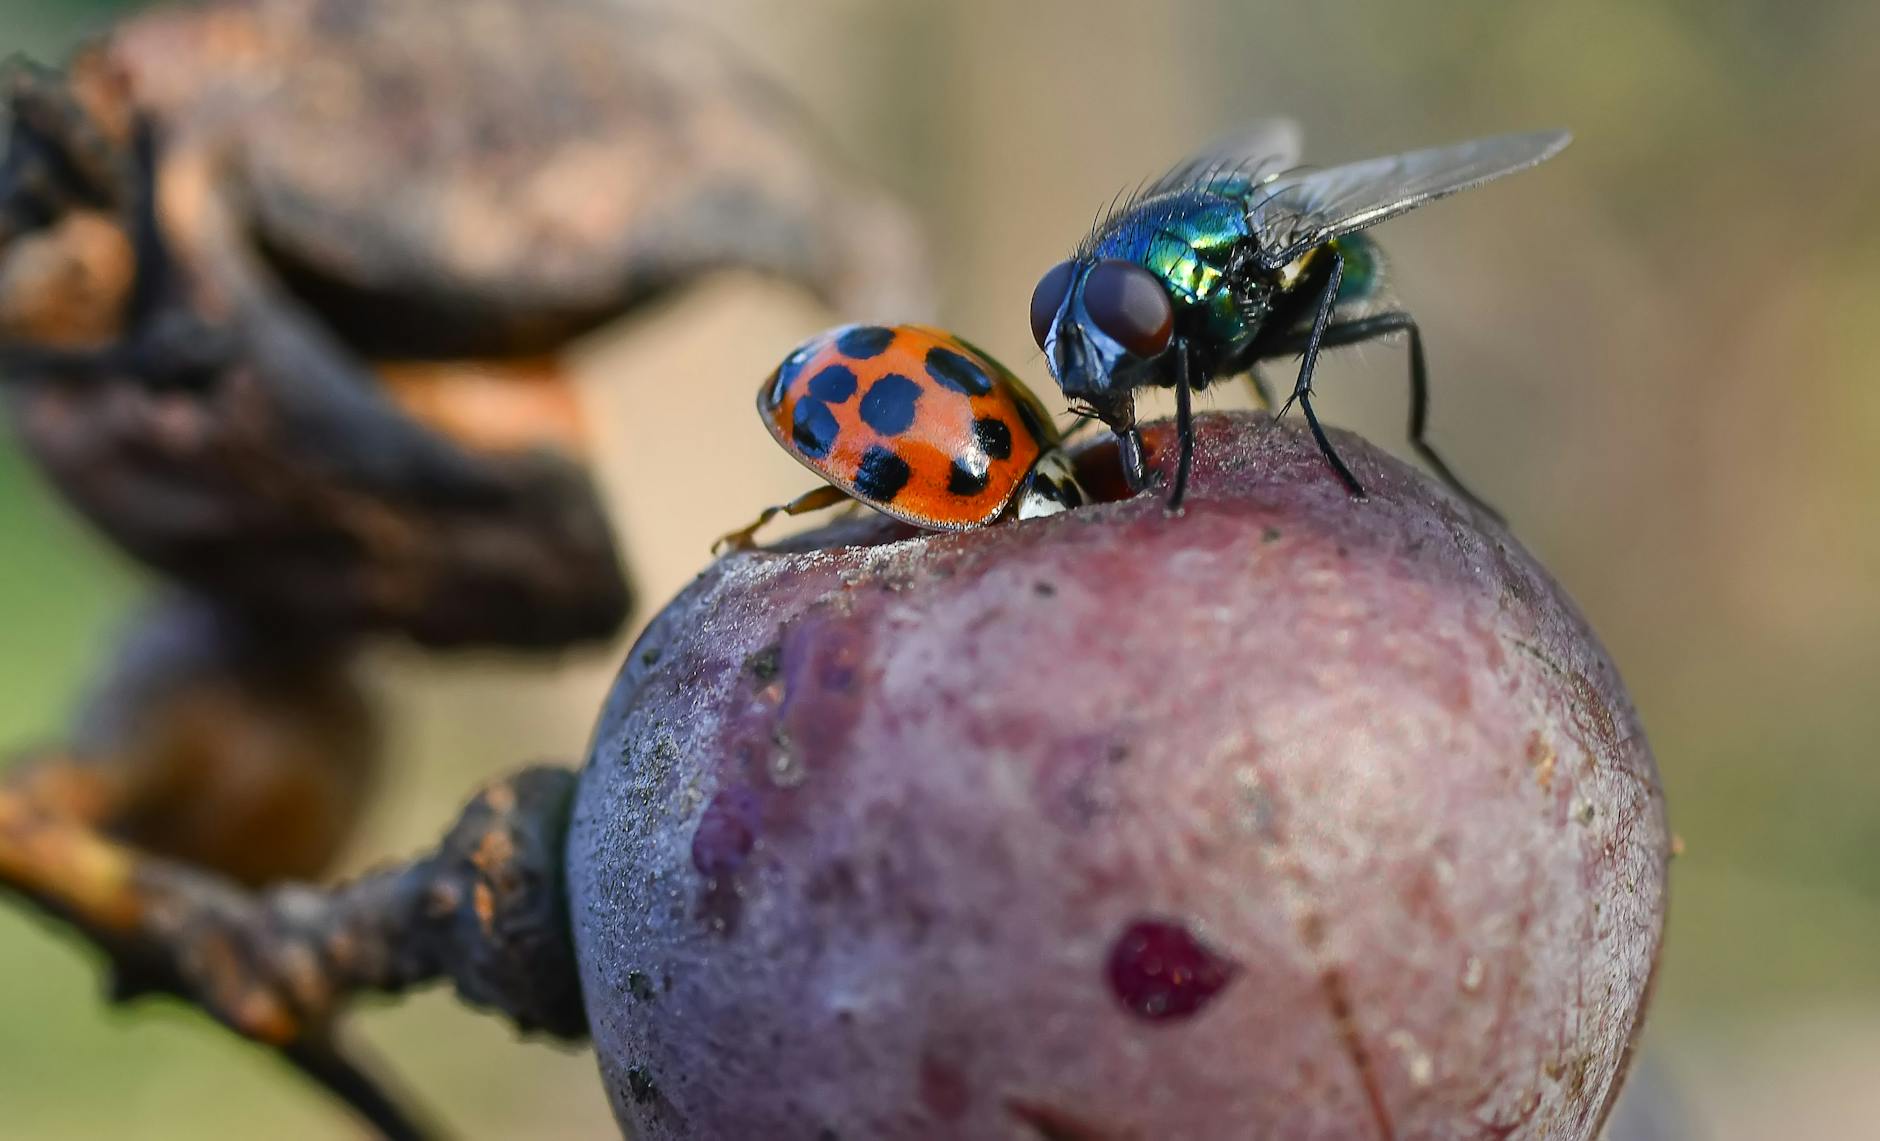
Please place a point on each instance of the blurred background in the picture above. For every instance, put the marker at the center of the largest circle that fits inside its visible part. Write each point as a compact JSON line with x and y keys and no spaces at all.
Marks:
{"x":1657,"y":354}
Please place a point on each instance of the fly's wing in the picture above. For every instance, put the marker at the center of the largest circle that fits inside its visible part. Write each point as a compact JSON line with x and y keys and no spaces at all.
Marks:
{"x":1266,"y":148}
{"x":1309,"y":208}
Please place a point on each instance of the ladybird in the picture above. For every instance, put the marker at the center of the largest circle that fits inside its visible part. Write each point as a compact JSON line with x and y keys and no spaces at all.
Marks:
{"x":917,"y":424}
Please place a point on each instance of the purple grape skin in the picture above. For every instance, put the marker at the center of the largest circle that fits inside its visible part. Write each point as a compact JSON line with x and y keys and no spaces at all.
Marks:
{"x":1368,"y":753}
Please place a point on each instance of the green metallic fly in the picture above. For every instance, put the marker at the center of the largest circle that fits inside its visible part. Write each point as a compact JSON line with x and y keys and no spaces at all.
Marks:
{"x":1237,"y":256}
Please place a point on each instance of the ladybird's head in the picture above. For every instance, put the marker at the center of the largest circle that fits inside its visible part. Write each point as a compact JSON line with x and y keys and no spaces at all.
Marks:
{"x":1105,"y":325}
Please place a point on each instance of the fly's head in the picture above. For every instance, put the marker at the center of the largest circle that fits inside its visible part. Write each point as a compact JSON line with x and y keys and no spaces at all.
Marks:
{"x":1105,"y":325}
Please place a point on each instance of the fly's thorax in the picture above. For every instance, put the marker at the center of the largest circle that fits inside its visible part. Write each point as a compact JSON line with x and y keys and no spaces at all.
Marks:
{"x":1192,"y":241}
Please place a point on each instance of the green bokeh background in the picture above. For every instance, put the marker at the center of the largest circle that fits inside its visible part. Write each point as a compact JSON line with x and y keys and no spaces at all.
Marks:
{"x":1659,"y":355}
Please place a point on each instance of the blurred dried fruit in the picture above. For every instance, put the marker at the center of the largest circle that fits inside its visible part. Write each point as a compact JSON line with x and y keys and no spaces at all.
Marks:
{"x":282,"y":285}
{"x":1347,"y":792}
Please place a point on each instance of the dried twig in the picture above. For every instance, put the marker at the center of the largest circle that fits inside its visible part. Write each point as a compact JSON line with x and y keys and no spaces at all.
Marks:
{"x":485,"y":909}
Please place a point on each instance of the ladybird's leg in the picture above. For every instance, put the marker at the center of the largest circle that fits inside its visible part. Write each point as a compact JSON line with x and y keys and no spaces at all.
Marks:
{"x":745,"y":538}
{"x":1184,"y":428}
{"x":1383,"y":325}
{"x":1309,"y":361}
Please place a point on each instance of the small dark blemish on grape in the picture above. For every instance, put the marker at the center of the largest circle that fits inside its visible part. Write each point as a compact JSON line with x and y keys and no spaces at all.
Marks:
{"x":641,"y":1086}
{"x":1159,"y":971}
{"x":765,"y":663}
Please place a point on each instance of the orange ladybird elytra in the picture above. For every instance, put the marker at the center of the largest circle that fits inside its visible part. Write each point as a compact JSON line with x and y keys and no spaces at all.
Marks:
{"x":916,"y":423}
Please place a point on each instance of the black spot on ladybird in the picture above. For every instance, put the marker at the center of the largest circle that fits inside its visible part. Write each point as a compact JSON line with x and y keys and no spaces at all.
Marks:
{"x":888,"y":405}
{"x":865,"y":341}
{"x":964,"y":481}
{"x":995,"y":436}
{"x":834,"y":384}
{"x":882,"y":475}
{"x":956,"y":372}
{"x":814,"y":428}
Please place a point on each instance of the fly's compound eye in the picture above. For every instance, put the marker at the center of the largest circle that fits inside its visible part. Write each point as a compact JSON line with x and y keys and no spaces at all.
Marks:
{"x":1048,"y":298}
{"x":1130,"y":306}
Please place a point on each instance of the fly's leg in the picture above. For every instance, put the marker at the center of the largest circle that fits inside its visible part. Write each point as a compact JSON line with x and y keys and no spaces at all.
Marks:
{"x":1302,"y":388}
{"x":745,"y":538}
{"x":1129,"y":454}
{"x":1184,"y":428}
{"x":1384,"y":325}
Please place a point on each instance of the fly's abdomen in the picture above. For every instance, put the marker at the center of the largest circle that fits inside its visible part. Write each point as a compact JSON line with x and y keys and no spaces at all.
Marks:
{"x":1362,"y":281}
{"x":1364,"y":268}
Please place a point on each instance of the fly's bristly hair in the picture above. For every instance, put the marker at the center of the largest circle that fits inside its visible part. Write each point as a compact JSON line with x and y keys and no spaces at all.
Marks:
{"x":1153,"y":211}
{"x":1120,"y":204}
